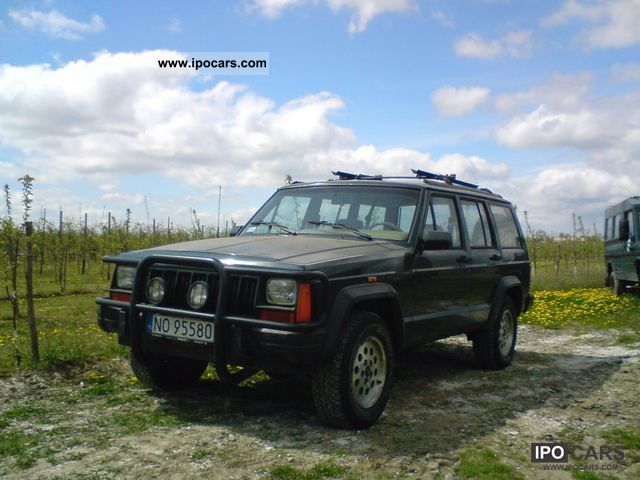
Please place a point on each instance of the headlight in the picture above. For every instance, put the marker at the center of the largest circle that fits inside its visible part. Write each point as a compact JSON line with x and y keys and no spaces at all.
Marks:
{"x":198,"y":295}
{"x":125,"y":277}
{"x":155,"y":290}
{"x":281,"y":291}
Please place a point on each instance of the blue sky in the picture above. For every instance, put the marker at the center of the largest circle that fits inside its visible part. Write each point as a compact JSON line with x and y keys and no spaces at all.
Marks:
{"x":538,"y":100}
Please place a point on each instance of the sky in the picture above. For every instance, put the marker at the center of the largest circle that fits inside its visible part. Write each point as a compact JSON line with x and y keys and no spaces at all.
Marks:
{"x":539,"y":101}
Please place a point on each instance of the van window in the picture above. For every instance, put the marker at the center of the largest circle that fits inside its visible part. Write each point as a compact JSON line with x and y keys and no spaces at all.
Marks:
{"x":607,"y":222}
{"x":506,"y":227}
{"x":442,"y":217}
{"x":632,"y":229}
{"x":475,"y":219}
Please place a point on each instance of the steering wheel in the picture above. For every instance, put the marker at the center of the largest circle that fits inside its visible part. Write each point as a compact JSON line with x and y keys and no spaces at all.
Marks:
{"x":393,"y":226}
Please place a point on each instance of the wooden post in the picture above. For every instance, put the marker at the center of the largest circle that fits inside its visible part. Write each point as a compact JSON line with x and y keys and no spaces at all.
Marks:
{"x":84,"y":246}
{"x":28,"y":275}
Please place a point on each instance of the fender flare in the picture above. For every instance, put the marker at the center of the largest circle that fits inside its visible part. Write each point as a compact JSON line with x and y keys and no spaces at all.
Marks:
{"x":348,"y":298}
{"x":506,"y":284}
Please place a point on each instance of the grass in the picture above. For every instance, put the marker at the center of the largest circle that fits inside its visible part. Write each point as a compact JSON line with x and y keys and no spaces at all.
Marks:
{"x":484,"y":464}
{"x":591,"y":307}
{"x":627,"y":438}
{"x":317,"y":472}
{"x":545,"y":276}
{"x":68,"y":334}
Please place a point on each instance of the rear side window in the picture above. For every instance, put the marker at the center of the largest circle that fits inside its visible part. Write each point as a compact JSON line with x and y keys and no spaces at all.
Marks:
{"x":475,"y":219}
{"x":632,"y":228}
{"x":506,"y":226}
{"x":442,"y":217}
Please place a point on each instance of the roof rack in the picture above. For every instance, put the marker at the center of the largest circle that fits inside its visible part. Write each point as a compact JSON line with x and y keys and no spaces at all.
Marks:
{"x":356,"y":176}
{"x":449,"y":179}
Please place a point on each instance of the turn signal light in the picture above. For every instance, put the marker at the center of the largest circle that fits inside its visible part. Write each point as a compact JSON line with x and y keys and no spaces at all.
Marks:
{"x":121,"y":297}
{"x":302,"y":313}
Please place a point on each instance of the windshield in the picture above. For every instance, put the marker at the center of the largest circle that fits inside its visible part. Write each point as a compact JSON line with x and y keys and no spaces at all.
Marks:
{"x":381,"y":212}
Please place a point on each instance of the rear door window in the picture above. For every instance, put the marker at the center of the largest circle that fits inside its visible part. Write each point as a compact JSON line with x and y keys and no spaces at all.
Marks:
{"x":475,"y":219}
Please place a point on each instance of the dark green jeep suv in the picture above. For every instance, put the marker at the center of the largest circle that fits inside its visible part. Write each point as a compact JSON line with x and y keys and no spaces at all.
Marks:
{"x":329,"y":280}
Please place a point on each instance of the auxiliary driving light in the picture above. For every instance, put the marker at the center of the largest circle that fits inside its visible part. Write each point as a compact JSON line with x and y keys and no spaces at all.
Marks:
{"x":155,"y":290}
{"x":198,"y":295}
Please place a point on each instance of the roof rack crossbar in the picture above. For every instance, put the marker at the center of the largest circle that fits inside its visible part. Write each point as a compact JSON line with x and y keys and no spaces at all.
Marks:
{"x":355,"y":176}
{"x":449,"y":179}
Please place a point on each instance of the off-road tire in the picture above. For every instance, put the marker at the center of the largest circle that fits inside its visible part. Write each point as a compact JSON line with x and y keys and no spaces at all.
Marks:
{"x":616,"y":285}
{"x":486,"y":343}
{"x":333,"y":391}
{"x":167,"y":373}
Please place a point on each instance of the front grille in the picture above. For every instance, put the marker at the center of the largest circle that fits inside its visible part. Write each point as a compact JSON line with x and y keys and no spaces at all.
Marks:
{"x":243,"y":296}
{"x":177,"y":283}
{"x":243,"y":290}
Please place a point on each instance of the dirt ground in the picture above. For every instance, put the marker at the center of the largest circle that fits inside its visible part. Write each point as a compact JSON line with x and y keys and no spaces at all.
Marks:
{"x":563,"y":385}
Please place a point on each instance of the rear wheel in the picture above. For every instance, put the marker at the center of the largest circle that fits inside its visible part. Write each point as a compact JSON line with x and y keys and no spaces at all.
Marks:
{"x":353,"y":388}
{"x":495,"y":345}
{"x":616,"y":285}
{"x":165,"y":372}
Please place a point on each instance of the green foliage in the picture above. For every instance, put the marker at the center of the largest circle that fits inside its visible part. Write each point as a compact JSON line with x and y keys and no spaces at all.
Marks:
{"x":594,"y":307}
{"x":317,"y":472}
{"x":483,"y":464}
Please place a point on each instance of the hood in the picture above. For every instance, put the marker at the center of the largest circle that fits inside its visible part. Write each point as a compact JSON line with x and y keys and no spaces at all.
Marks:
{"x":297,"y":250}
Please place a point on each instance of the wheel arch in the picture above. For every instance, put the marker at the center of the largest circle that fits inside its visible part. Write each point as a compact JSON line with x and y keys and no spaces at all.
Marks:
{"x":379,"y":298}
{"x":508,"y":286}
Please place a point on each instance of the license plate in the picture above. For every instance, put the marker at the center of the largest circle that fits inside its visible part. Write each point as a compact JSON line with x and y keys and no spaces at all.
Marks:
{"x":180,"y":328}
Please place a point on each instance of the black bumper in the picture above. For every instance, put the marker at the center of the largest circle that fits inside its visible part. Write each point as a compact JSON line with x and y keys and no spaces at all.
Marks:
{"x":277,"y":350}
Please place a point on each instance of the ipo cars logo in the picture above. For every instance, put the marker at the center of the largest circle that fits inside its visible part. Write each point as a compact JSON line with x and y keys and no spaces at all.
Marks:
{"x":561,"y":453}
{"x":549,"y":453}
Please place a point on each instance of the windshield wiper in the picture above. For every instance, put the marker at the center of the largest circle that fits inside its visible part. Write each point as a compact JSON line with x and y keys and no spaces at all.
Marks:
{"x":274,"y":224}
{"x":343,"y":226}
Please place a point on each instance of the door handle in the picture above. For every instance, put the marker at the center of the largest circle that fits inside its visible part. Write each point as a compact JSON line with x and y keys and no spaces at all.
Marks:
{"x":495,"y":257}
{"x":463,"y":259}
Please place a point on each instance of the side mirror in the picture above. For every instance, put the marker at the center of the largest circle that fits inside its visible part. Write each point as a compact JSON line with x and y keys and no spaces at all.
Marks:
{"x":433,"y":240}
{"x":623,"y":233}
{"x":235,"y":230}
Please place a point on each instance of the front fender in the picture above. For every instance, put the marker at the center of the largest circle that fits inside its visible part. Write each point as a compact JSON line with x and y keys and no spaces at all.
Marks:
{"x":350,"y":297}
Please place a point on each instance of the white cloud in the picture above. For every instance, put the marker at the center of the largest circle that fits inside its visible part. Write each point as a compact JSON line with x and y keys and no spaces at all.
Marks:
{"x":516,"y":44}
{"x":627,"y":72}
{"x":545,"y":127}
{"x":552,"y":194}
{"x":614,"y":23}
{"x":443,"y":19}
{"x":174,"y":26}
{"x":455,"y":102}
{"x":56,"y":24}
{"x":117,"y":114}
{"x":564,"y":113}
{"x":362,"y":11}
{"x":560,"y":91}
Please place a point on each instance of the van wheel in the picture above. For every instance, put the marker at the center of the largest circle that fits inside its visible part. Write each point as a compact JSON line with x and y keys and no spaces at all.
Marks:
{"x":495,"y":345}
{"x":164,"y":372}
{"x":617,"y":286}
{"x":353,"y":388}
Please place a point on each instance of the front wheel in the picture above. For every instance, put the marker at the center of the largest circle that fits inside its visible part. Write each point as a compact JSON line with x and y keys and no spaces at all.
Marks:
{"x":494,"y":346}
{"x":165,"y":372}
{"x":353,"y":388}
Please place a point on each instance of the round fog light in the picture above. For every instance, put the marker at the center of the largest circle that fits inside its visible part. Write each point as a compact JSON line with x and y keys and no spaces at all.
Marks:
{"x":155,"y":290}
{"x":198,"y":295}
